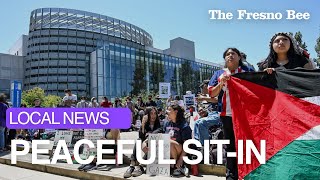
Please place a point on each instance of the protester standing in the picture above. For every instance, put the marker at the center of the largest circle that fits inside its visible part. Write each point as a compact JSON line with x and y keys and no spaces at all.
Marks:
{"x":106,"y":103}
{"x":218,"y":86}
{"x":94,"y":103}
{"x":82,"y":103}
{"x":3,"y":109}
{"x":69,"y":99}
{"x":284,"y":53}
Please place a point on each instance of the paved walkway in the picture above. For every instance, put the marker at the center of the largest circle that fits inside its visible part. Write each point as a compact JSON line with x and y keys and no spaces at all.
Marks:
{"x":15,"y":173}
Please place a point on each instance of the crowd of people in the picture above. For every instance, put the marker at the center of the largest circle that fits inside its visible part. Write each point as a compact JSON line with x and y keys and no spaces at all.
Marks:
{"x":169,"y":117}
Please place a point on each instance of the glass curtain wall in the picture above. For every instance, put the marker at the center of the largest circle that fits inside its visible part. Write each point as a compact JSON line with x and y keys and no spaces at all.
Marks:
{"x":123,"y":70}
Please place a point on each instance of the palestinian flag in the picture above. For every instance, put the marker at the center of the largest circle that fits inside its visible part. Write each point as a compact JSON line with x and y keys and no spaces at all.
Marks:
{"x":283,"y":109}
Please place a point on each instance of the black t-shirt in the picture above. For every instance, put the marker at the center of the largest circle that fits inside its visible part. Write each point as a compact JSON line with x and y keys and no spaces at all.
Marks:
{"x":148,"y":130}
{"x":139,"y":105}
{"x":151,"y":103}
{"x":178,"y":132}
{"x":292,"y":64}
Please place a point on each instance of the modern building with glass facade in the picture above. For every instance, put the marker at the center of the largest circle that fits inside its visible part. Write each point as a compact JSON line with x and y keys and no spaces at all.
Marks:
{"x":97,"y":55}
{"x":60,"y":43}
{"x":118,"y":70}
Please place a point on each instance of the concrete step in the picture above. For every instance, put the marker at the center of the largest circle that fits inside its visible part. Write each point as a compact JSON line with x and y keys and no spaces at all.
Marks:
{"x":70,"y":170}
{"x":217,"y":170}
{"x":116,"y":172}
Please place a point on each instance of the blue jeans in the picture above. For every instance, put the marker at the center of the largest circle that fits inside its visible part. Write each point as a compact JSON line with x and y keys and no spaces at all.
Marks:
{"x":2,"y":138}
{"x":202,"y":125}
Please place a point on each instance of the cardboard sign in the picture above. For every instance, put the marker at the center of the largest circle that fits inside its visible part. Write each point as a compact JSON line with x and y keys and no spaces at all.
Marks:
{"x":92,"y":135}
{"x":50,"y":130}
{"x":61,"y":135}
{"x":155,"y":168}
{"x":189,"y":100}
{"x":77,"y":135}
{"x":164,"y":90}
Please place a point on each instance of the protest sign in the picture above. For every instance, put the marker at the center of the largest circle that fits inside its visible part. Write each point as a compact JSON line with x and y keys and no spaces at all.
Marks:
{"x":164,"y":90}
{"x":189,"y":100}
{"x":155,"y":168}
{"x":61,"y":135}
{"x":92,"y":135}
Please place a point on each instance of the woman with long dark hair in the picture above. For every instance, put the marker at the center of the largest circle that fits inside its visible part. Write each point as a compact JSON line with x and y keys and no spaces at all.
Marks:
{"x":150,"y":125}
{"x":218,"y":86}
{"x":284,"y":53}
{"x":179,"y":131}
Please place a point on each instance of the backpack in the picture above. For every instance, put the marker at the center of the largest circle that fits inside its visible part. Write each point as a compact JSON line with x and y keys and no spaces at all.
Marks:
{"x":216,"y":135}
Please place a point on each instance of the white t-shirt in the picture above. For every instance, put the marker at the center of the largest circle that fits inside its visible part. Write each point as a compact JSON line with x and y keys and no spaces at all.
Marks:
{"x":72,"y":97}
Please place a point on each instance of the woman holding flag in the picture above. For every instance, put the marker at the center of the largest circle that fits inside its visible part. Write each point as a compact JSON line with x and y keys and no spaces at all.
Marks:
{"x":218,"y":86}
{"x":285,"y":53}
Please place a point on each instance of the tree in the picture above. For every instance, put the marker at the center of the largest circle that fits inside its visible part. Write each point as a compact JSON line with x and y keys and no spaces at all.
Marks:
{"x":29,"y":96}
{"x":173,"y":81}
{"x":196,"y":81}
{"x":317,"y":49}
{"x":186,"y":74}
{"x":51,"y":101}
{"x":298,"y":37}
{"x":138,"y":78}
{"x":157,"y":74}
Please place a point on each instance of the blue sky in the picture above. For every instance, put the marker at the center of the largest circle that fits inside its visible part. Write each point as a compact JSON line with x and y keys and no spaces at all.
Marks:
{"x":168,"y":19}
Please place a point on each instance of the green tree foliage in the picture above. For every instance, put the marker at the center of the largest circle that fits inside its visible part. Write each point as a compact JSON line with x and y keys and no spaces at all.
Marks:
{"x":51,"y":101}
{"x":186,"y":78}
{"x":144,"y":95}
{"x":187,"y":75}
{"x":173,"y":81}
{"x":291,"y":34}
{"x":47,"y":101}
{"x":30,"y":95}
{"x":298,"y":37}
{"x":317,"y":49}
{"x":196,"y":76}
{"x":139,"y":75}
{"x":157,"y":74}
{"x":138,"y":80}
